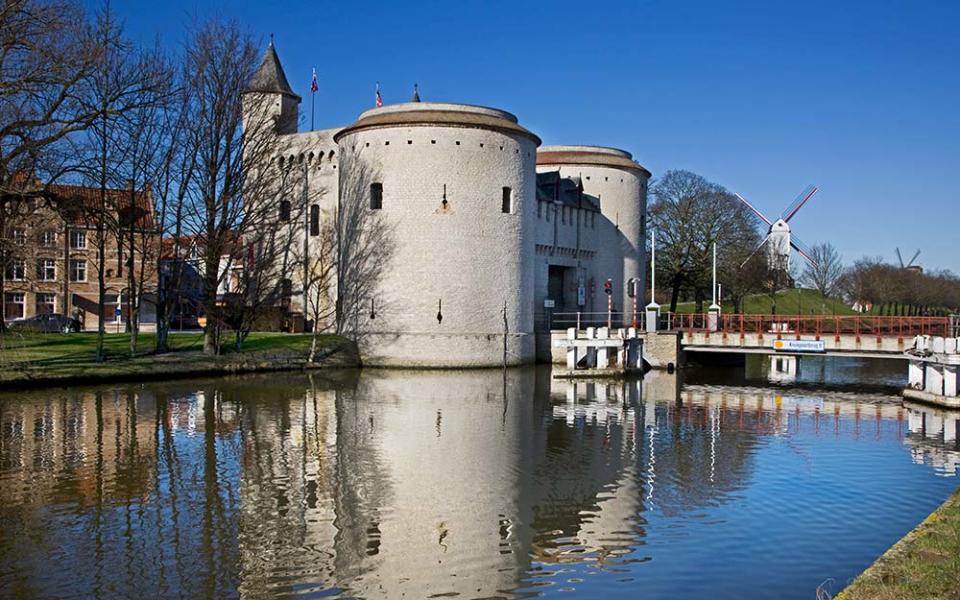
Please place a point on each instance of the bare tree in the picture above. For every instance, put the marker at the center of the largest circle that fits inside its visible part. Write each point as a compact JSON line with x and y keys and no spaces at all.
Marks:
{"x":691,"y":214}
{"x":125,"y":83}
{"x":226,"y":202}
{"x":824,"y":275}
{"x":46,"y":60}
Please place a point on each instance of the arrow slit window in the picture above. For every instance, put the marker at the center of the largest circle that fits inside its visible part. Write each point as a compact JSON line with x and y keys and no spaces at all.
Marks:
{"x":376,"y":196}
{"x":506,"y":203}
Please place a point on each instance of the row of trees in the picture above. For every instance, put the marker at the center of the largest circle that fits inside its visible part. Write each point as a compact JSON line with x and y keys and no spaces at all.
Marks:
{"x":893,"y":290}
{"x":81,"y":103}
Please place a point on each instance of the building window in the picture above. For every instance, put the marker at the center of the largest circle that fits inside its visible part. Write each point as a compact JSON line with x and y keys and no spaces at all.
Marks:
{"x":46,"y":269}
{"x":46,"y":304}
{"x":284,"y":210}
{"x":18,"y":235}
{"x":376,"y":196}
{"x":16,"y":270}
{"x":506,"y":203}
{"x":14,"y":306}
{"x":286,"y":291}
{"x":78,"y":239}
{"x":48,"y":238}
{"x":314,"y":220}
{"x":78,"y":270}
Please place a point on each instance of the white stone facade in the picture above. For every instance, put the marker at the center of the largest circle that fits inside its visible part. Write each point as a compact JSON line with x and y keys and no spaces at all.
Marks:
{"x":472,"y":239}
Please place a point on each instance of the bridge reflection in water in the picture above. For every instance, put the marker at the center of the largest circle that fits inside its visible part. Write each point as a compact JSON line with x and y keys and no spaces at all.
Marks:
{"x":476,"y":483}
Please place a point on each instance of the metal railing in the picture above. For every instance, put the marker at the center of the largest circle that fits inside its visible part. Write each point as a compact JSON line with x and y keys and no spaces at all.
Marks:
{"x":817,"y":325}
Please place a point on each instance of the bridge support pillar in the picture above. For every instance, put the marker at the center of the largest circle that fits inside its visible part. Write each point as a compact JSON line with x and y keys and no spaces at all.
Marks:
{"x":934,"y":379}
{"x":949,"y":380}
{"x":916,"y":375}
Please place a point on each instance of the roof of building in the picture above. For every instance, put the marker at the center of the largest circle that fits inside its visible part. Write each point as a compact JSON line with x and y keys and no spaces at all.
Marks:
{"x":438,"y":114}
{"x":82,"y":203}
{"x":553,"y":187}
{"x":594,"y":156}
{"x":269,"y":76}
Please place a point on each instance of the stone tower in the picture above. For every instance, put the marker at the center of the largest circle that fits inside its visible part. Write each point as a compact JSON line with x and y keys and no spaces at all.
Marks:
{"x":268,"y":99}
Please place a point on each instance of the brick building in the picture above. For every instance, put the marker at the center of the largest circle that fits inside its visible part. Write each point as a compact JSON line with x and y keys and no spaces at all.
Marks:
{"x":49,"y":252}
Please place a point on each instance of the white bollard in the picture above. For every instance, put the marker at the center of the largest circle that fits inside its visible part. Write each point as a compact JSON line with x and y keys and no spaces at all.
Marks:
{"x":937,"y":345}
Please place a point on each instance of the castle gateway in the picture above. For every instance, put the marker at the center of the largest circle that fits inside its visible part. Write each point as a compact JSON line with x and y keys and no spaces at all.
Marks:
{"x":450,"y":226}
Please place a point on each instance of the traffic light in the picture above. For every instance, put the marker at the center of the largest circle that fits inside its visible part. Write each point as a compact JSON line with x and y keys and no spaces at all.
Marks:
{"x":608,"y":287}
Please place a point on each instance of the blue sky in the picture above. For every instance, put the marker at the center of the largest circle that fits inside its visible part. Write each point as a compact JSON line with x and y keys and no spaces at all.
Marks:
{"x":859,"y":98}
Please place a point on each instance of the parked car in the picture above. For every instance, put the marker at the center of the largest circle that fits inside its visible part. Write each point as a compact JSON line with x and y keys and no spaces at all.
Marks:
{"x":51,"y":323}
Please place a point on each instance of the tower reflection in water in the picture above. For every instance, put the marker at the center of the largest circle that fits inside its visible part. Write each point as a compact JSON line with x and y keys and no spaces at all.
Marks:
{"x":479,"y":483}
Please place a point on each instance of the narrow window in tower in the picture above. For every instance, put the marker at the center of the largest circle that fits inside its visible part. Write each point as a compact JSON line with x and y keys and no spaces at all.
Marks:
{"x":376,"y":196}
{"x":314,"y":220}
{"x":284,"y":210}
{"x":506,"y":204}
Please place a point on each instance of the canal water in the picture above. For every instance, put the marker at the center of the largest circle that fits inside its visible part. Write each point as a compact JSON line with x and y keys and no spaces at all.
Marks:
{"x":469,"y":484}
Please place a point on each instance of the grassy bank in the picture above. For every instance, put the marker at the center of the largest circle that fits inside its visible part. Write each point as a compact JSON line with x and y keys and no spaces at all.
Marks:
{"x":789,"y":302}
{"x":57,"y":359}
{"x":924,"y":564}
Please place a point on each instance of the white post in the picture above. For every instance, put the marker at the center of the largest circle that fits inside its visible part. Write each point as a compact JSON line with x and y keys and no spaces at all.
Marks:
{"x":653,"y":309}
{"x":714,"y":310}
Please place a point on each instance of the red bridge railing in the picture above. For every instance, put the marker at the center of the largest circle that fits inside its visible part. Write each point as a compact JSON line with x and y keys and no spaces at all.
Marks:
{"x":785,"y":326}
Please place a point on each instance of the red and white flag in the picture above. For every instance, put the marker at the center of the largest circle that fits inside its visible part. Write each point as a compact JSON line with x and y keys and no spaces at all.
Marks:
{"x":313,"y":84}
{"x":379,"y":99}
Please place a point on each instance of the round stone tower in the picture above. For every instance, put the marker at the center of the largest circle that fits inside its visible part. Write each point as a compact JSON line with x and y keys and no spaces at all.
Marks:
{"x":449,"y":192}
{"x":612,"y":177}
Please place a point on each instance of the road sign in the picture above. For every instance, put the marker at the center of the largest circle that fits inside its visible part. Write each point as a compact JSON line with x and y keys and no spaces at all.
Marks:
{"x":548,"y":303}
{"x":581,"y":296}
{"x":799,"y":346}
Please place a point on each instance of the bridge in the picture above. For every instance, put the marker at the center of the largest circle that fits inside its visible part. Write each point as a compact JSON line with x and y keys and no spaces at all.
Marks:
{"x":832,"y":335}
{"x":847,"y":335}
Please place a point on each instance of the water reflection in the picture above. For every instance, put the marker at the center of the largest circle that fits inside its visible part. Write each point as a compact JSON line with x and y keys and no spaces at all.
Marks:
{"x":475,"y":484}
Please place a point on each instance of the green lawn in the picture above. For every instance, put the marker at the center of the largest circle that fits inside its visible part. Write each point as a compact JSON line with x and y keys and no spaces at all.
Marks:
{"x":55,"y":356}
{"x":789,"y":302}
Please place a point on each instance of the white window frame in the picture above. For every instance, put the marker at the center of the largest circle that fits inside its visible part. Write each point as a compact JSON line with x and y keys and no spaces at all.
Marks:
{"x":49,"y":266}
{"x":43,"y":238}
{"x":74,"y":263}
{"x":18,"y":270}
{"x":19,"y":236}
{"x":10,"y":298}
{"x":37,"y":303}
{"x":78,"y":239}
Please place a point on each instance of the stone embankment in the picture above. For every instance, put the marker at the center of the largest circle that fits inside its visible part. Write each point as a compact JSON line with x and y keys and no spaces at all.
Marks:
{"x":924,"y":564}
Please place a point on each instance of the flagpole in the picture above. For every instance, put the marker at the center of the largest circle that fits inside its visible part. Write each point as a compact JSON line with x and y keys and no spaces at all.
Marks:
{"x":313,"y":93}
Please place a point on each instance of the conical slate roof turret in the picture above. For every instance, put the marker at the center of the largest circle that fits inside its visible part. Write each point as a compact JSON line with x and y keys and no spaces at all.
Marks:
{"x":269,"y":76}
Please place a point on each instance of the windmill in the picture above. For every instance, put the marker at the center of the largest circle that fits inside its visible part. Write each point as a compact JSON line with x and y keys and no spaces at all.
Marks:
{"x":910,"y":265}
{"x":779,"y":240}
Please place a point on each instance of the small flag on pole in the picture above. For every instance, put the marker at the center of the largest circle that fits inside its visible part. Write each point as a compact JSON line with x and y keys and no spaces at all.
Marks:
{"x":313,"y":84}
{"x":379,"y":99}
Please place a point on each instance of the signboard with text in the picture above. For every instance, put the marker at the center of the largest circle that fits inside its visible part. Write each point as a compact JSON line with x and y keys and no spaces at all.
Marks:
{"x":799,"y":346}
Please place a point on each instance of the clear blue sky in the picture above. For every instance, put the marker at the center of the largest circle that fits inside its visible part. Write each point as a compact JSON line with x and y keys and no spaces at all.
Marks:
{"x":859,"y":98}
